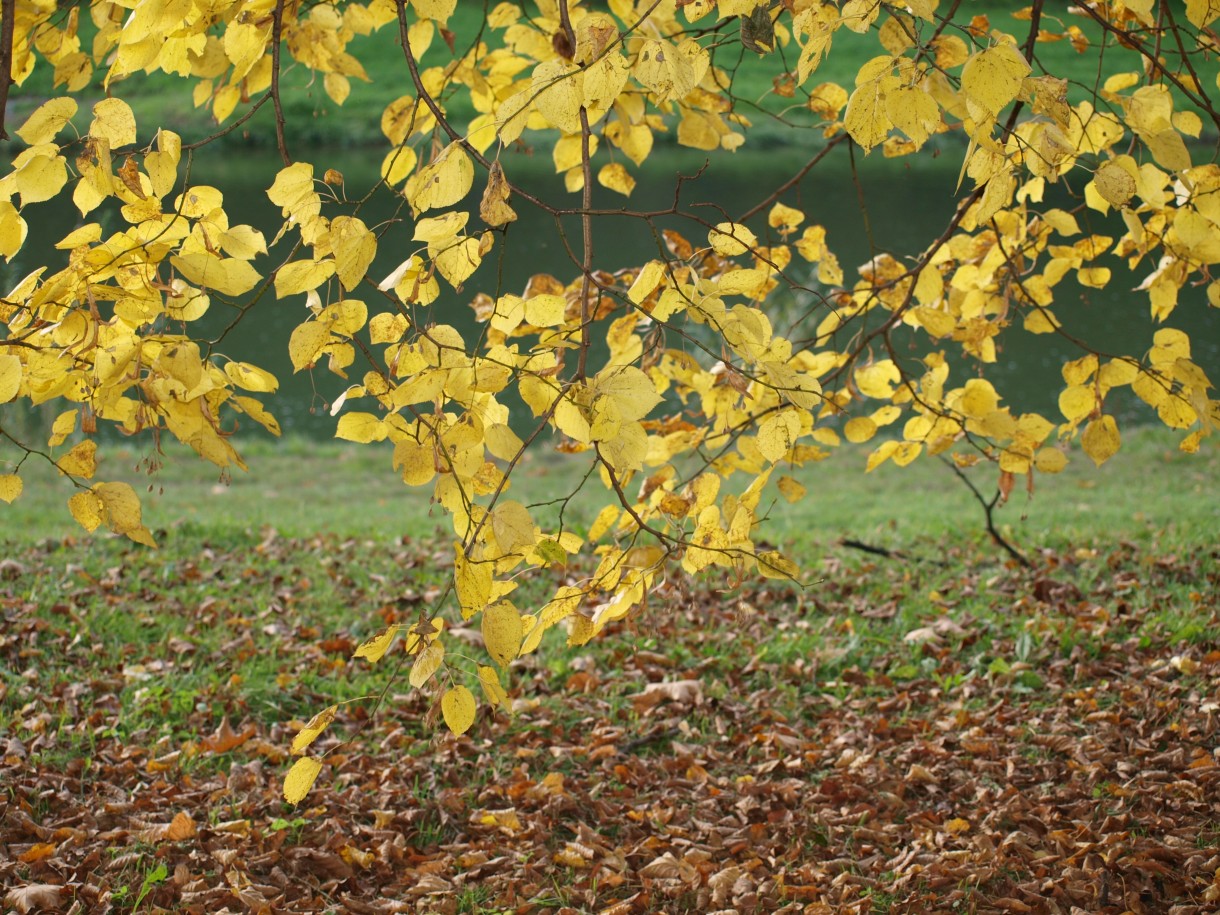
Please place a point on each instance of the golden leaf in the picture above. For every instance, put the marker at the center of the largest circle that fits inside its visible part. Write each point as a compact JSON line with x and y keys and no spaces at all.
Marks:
{"x":308,"y":734}
{"x":458,"y":708}
{"x":300,"y":779}
{"x":503,"y":631}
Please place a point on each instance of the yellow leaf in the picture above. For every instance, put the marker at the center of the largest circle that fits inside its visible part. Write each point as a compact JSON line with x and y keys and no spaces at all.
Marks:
{"x":992,"y":78}
{"x":913,"y":111}
{"x":251,"y":377}
{"x":1176,"y":413}
{"x":1076,"y":402}
{"x":646,"y":281}
{"x":443,"y":182}
{"x":416,"y":462}
{"x":458,"y":260}
{"x":784,"y":218}
{"x":1114,"y":184}
{"x":777,"y":434}
{"x":1101,"y":439}
{"x":64,"y":425}
{"x":374,"y":649}
{"x":302,"y":276}
{"x":228,"y":276}
{"x":86,"y":508}
{"x":306,"y":343}
{"x":979,"y":398}
{"x":867,"y":117}
{"x":877,"y":380}
{"x":308,"y":734}
{"x":440,"y":10}
{"x":354,"y":246}
{"x":881,"y":454}
{"x":10,"y":487}
{"x":633,"y":392}
{"x":729,"y":238}
{"x":294,"y":192}
{"x":361,"y":427}
{"x":47,"y":120}
{"x":545,"y":310}
{"x":458,"y":707}
{"x":614,"y":175}
{"x":1050,"y":460}
{"x":81,"y":461}
{"x":337,"y":86}
{"x":1202,"y":13}
{"x":120,"y":505}
{"x":257,"y":412}
{"x":859,"y":429}
{"x":300,"y":779}
{"x":512,"y":526}
{"x":10,"y":377}
{"x":39,"y":177}
{"x":492,"y":688}
{"x":774,"y":564}
{"x":670,"y":71}
{"x":114,"y":122}
{"x":472,"y":580}
{"x":427,"y":663}
{"x":790,"y":489}
{"x":13,"y":230}
{"x":503,"y":631}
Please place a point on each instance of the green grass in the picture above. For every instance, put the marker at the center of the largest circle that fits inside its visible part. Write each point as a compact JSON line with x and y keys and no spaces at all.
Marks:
{"x":314,"y":119}
{"x":300,"y":487}
{"x":226,"y":615}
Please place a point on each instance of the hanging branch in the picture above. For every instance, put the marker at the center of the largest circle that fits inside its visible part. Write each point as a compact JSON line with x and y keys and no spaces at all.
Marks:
{"x":277,"y":30}
{"x":568,"y":36}
{"x":988,"y":508}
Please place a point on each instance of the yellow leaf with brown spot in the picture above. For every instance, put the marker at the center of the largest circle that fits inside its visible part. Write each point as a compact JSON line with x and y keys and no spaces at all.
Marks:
{"x":308,"y":734}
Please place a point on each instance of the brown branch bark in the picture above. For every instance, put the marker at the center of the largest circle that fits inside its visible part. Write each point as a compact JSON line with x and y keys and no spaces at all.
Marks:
{"x":988,"y":508}
{"x":277,"y":31}
{"x":8,"y":15}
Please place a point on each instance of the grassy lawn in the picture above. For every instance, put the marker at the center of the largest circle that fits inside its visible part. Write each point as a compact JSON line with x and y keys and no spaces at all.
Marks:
{"x":300,"y":487}
{"x":909,"y":733}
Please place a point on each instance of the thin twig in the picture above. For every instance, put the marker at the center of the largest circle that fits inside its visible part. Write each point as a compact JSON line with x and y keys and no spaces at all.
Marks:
{"x":277,"y":29}
{"x":988,"y":508}
{"x":586,"y":266}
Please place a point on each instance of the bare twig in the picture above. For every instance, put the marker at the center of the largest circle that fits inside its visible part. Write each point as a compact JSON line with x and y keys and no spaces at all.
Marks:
{"x":277,"y":30}
{"x":988,"y":508}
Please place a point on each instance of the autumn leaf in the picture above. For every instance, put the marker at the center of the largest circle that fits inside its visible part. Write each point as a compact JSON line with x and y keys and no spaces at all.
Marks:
{"x":300,"y":779}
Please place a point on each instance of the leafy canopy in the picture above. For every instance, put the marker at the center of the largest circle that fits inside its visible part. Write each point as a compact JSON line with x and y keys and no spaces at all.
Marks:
{"x":690,"y":388}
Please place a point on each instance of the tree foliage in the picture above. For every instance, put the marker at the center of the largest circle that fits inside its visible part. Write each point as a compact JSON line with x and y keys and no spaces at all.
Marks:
{"x":668,"y":380}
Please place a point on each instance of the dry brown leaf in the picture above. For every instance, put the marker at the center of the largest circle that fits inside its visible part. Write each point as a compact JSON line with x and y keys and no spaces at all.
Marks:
{"x":34,"y":896}
{"x":683,"y":692}
{"x":226,"y":739}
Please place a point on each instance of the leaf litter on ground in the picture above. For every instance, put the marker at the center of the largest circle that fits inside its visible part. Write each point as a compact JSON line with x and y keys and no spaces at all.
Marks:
{"x":900,"y":737}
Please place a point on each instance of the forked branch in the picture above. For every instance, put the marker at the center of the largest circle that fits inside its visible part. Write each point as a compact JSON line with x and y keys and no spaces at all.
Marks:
{"x":989,"y":506}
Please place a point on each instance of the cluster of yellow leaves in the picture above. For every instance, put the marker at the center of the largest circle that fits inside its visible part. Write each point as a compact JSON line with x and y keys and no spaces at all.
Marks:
{"x":99,"y":333}
{"x":695,"y":385}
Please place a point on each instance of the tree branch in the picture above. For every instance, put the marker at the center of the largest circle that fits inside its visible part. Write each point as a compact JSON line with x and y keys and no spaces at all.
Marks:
{"x":8,"y":15}
{"x":277,"y":30}
{"x":988,"y":508}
